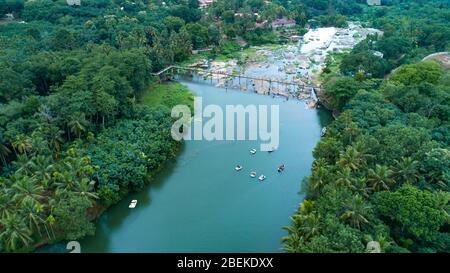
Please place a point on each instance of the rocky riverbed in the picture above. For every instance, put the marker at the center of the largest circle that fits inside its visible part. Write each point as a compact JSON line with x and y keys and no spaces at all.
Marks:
{"x":281,"y":70}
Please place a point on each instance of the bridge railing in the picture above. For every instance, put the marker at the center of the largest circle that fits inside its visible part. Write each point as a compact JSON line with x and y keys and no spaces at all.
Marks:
{"x":174,"y":70}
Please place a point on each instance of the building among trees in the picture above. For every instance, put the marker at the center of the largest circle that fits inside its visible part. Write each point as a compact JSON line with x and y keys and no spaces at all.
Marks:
{"x":374,"y":2}
{"x":205,"y":3}
{"x":74,"y":2}
{"x":283,"y":22}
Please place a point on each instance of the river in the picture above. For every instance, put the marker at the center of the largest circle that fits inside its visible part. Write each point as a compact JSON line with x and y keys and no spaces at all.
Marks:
{"x":199,"y":203}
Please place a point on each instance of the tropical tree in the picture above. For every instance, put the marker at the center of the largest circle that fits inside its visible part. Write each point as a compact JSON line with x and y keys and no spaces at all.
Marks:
{"x":293,"y":242}
{"x":352,"y":158}
{"x":77,"y":124}
{"x":33,"y":215}
{"x":25,"y":189}
{"x":360,"y":187}
{"x":304,"y":227}
{"x":341,"y":90}
{"x":345,"y":178}
{"x":421,"y":214}
{"x":310,"y":225}
{"x":83,"y":188}
{"x":320,"y":175}
{"x":356,"y":212}
{"x":15,"y":234}
{"x":6,"y":206}
{"x":406,"y":170}
{"x":380,"y":178}
{"x":50,"y":222}
{"x":22,"y":144}
{"x":4,"y":152}
{"x":41,"y":168}
{"x":55,"y":139}
{"x":22,"y":165}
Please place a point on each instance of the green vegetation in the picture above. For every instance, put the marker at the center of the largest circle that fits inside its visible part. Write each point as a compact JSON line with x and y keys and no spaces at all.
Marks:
{"x":82,"y":122}
{"x":412,"y":30}
{"x":382,"y":171}
{"x":73,"y":139}
{"x":332,"y":62}
{"x":168,"y":95}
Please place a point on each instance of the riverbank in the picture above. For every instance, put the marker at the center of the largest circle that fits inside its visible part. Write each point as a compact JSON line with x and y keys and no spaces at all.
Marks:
{"x":158,"y":95}
{"x":168,"y":94}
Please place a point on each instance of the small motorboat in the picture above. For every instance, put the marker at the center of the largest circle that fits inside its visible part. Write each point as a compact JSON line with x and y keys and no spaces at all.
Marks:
{"x":323,"y":132}
{"x":262,"y":178}
{"x":273,"y":150}
{"x":253,"y":174}
{"x":133,"y":204}
{"x":238,"y":168}
{"x":253,"y":151}
{"x":281,"y":168}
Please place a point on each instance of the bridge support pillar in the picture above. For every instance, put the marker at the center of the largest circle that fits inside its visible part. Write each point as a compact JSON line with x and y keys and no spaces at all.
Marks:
{"x":239,"y":81}
{"x":270,"y":86}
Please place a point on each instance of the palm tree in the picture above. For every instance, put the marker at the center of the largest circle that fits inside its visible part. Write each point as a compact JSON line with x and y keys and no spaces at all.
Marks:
{"x":4,"y":152}
{"x":380,"y":178}
{"x":15,"y":234}
{"x":6,"y":207}
{"x":84,"y":189}
{"x":22,"y":165}
{"x":345,"y":178}
{"x":65,"y":176}
{"x":293,"y":242}
{"x":407,"y":170}
{"x":309,"y":225}
{"x":39,"y":144}
{"x":360,"y":187}
{"x":350,"y":132}
{"x":320,"y":176}
{"x":33,"y":213}
{"x":351,"y":158}
{"x":25,"y":189}
{"x":55,"y":140}
{"x":354,"y":157}
{"x":77,"y":124}
{"x":356,"y":212}
{"x":41,"y":168}
{"x":22,"y":144}
{"x":50,"y":221}
{"x":303,"y":228}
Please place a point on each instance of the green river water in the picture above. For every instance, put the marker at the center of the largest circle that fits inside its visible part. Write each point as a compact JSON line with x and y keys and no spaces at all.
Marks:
{"x":199,"y":203}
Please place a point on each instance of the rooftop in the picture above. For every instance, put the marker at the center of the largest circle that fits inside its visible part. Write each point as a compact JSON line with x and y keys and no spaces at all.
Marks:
{"x":283,"y":21}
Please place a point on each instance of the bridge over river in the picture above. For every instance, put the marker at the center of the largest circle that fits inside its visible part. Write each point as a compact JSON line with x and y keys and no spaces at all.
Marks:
{"x":266,"y":86}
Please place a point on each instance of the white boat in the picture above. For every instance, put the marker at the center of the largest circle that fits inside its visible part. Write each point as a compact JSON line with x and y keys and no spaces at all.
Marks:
{"x":238,"y":168}
{"x":324,"y":132}
{"x":253,"y":151}
{"x":253,"y":174}
{"x":133,"y":204}
{"x":262,"y":178}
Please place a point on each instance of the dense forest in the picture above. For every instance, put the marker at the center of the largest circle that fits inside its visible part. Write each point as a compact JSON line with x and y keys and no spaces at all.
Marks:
{"x":382,"y":172}
{"x":74,"y":135}
{"x":77,"y":133}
